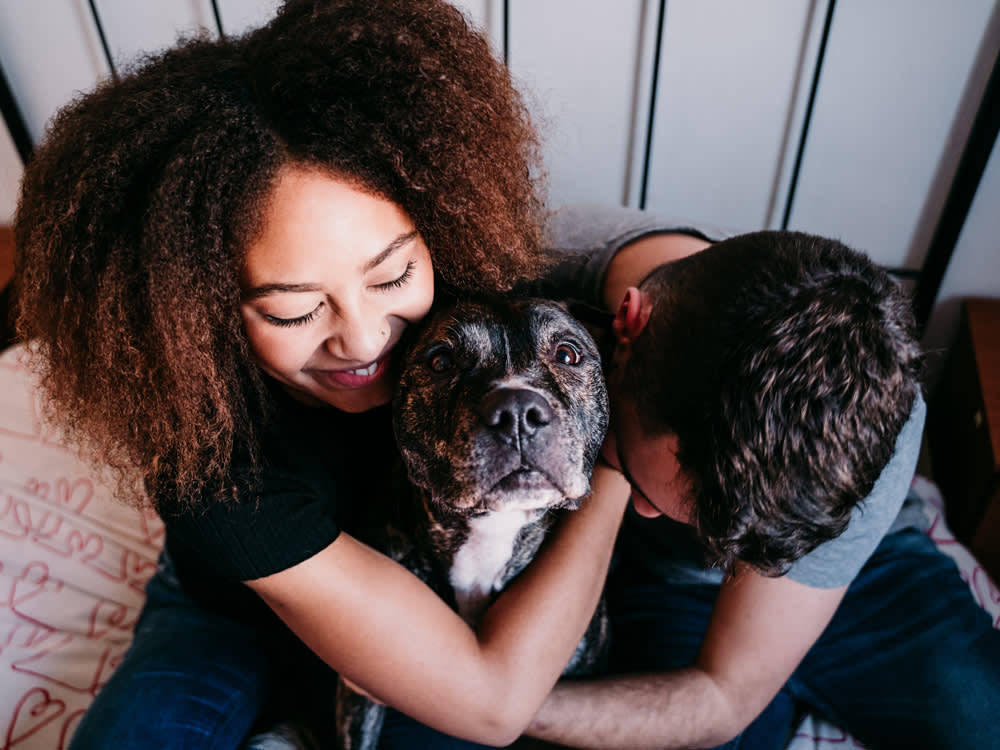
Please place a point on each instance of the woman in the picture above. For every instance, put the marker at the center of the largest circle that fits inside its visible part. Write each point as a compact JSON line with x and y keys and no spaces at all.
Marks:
{"x":218,"y":255}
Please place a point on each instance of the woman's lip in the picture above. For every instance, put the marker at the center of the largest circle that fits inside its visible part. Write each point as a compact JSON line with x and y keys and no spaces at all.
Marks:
{"x":351,"y":378}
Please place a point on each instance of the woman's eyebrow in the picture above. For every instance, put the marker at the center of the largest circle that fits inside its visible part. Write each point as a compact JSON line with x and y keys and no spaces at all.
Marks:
{"x":392,"y":247}
{"x":267,"y":289}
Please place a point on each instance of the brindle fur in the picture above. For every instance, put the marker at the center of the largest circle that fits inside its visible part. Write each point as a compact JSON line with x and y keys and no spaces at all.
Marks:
{"x":491,"y":414}
{"x":471,"y":361}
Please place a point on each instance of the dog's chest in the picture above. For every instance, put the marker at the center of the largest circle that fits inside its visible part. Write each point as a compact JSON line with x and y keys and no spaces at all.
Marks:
{"x":481,"y":564}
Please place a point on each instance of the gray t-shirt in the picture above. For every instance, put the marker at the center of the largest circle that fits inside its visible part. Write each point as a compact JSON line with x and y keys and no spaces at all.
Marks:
{"x":591,"y":234}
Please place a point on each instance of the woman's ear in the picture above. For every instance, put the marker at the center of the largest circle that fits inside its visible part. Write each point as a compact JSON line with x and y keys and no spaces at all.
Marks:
{"x":632,"y":315}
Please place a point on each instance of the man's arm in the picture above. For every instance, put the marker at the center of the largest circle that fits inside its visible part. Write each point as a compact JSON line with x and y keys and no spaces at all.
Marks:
{"x":760,"y":630}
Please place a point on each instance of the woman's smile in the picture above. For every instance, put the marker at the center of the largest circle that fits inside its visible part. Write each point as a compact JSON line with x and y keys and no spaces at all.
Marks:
{"x":358,"y":377}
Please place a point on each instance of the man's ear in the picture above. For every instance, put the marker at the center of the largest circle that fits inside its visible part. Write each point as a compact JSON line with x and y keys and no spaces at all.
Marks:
{"x":632,"y":315}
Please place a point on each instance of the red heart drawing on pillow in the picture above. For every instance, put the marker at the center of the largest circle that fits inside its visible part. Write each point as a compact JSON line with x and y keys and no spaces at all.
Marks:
{"x":85,"y":546}
{"x":35,"y":710}
{"x":107,"y":615}
{"x":76,"y":495}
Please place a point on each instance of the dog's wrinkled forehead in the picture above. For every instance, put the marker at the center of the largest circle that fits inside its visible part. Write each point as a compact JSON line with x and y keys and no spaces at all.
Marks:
{"x":502,"y":334}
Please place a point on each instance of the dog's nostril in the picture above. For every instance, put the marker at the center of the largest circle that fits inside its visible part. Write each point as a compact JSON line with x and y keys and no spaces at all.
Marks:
{"x":503,"y":421}
{"x":512,"y":411}
{"x":536,"y":417}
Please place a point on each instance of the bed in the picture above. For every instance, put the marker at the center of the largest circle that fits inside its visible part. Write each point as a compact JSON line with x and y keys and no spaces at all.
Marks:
{"x":73,"y":564}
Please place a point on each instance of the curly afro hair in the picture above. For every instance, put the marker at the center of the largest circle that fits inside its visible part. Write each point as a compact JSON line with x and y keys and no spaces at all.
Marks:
{"x":137,"y":209}
{"x":786,"y":364}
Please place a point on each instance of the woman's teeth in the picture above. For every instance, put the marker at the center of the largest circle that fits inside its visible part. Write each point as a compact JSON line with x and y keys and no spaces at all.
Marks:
{"x":370,"y":370}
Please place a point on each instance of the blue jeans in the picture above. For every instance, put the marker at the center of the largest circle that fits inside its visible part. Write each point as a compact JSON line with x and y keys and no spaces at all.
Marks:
{"x":196,"y":680}
{"x":909,"y":659}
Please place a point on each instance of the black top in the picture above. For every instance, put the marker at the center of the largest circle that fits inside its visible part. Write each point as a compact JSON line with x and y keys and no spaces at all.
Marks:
{"x":321,"y":466}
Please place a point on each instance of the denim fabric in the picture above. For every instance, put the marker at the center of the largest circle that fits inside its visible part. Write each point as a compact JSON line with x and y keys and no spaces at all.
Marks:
{"x":909,"y":659}
{"x":400,"y":732}
{"x":196,"y":680}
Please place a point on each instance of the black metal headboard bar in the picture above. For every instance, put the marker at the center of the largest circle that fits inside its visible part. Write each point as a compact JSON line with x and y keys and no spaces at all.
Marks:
{"x":647,"y":152}
{"x":15,"y":120}
{"x":218,"y":19}
{"x":807,"y":118}
{"x":104,"y":39}
{"x":971,"y":165}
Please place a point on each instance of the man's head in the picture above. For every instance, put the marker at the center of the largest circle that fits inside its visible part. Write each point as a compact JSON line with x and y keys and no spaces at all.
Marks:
{"x":758,"y":390}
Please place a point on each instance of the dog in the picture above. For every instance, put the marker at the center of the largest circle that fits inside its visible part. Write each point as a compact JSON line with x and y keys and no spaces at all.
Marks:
{"x":499,"y":416}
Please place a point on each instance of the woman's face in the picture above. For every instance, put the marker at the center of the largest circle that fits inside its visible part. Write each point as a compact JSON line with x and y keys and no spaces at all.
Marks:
{"x":328,"y":288}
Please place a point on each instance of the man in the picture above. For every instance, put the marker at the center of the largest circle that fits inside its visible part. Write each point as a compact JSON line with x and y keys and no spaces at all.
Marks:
{"x":766,"y":410}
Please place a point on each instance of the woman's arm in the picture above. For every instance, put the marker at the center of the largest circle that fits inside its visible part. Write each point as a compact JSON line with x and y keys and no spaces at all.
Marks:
{"x":384,"y":630}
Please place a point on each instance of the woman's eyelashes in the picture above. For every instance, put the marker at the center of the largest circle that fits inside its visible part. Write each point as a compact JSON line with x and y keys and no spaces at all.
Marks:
{"x":399,"y":280}
{"x":299,"y":321}
{"x":302,"y":320}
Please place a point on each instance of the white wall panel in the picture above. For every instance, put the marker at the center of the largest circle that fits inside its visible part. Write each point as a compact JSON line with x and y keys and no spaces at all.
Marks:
{"x":239,"y":16}
{"x":134,"y":28}
{"x":731,"y":77}
{"x":487,"y":15}
{"x":50,"y":52}
{"x":734,"y":76}
{"x":892,"y":78}
{"x":578,"y":62}
{"x":481,"y":14}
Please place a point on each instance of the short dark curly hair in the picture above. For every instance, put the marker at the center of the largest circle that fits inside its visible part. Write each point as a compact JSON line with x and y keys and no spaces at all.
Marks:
{"x":786,"y":364}
{"x":137,"y":209}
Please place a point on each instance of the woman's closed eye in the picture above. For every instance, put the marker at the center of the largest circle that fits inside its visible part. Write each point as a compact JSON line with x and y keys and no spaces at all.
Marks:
{"x":399,"y":280}
{"x":301,"y":320}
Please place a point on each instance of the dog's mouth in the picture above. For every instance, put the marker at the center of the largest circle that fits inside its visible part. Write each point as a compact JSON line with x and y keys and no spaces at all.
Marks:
{"x":524,"y":480}
{"x":522,"y":489}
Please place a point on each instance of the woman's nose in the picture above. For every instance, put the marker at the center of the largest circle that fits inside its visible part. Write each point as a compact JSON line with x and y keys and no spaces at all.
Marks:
{"x":357,"y":338}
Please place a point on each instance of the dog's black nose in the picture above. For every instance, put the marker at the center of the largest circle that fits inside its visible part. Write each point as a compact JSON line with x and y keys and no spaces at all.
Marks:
{"x":515,"y":412}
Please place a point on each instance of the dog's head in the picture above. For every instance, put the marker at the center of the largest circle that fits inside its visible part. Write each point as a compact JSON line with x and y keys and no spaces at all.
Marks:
{"x":502,"y":405}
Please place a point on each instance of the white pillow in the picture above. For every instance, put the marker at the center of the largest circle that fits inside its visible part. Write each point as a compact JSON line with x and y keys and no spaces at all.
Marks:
{"x":73,"y":564}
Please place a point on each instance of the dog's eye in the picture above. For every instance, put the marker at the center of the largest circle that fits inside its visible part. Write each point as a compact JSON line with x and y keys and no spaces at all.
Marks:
{"x":568,"y":354}
{"x":439,"y":358}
